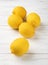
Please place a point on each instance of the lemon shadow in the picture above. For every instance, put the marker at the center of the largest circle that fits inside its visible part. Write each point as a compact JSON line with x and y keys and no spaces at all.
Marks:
{"x":39,"y":32}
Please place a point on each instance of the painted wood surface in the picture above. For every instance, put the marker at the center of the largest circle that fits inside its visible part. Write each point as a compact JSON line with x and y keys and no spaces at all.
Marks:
{"x":38,"y":52}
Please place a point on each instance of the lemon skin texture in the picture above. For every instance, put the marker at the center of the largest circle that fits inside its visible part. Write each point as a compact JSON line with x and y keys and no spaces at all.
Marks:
{"x":19,"y":10}
{"x":19,"y":46}
{"x":14,"y":21}
{"x":26,"y":30}
{"x":34,"y":19}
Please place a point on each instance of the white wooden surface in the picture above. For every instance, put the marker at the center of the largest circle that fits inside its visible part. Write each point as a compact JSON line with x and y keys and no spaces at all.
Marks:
{"x":38,"y":52}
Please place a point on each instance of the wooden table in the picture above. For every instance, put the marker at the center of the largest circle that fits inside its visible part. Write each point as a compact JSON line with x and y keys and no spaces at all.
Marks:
{"x":38,"y":52}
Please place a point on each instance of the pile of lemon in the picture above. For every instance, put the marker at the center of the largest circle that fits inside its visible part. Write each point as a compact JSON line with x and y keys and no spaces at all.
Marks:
{"x":26,"y":25}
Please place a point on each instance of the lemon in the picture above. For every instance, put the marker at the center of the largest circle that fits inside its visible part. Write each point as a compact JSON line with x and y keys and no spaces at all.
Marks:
{"x":14,"y":21}
{"x":33,"y":19}
{"x":19,"y":10}
{"x":26,"y":30}
{"x":19,"y":46}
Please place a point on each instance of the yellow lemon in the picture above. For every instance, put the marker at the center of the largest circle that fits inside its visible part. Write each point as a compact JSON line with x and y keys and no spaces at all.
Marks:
{"x":19,"y":10}
{"x":14,"y":21}
{"x":19,"y":46}
{"x":33,"y":19}
{"x":26,"y":30}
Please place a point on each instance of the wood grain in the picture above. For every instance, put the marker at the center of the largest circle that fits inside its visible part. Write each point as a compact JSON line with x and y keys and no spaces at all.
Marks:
{"x":38,"y":51}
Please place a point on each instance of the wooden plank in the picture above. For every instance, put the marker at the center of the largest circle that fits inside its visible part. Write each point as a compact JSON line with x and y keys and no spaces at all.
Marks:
{"x":7,"y":56}
{"x":25,"y":60}
{"x":34,"y":48}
